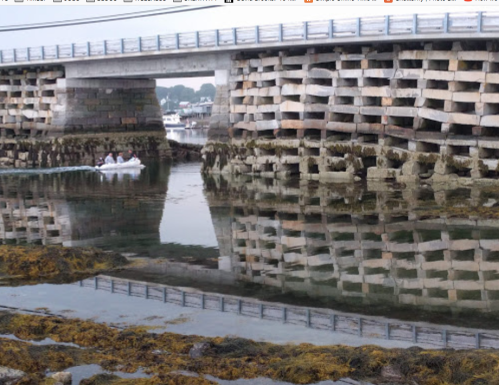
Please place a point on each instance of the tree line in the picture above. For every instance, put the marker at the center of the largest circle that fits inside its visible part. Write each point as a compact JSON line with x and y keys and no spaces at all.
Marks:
{"x":180,"y":93}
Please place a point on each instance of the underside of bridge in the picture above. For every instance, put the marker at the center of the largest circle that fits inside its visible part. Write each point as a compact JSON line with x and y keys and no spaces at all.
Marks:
{"x":406,"y":111}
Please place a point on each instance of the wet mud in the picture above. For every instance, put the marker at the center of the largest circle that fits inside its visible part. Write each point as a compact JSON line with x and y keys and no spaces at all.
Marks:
{"x":166,"y":354}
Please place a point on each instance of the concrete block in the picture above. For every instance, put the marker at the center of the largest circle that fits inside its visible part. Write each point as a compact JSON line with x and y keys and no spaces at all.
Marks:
{"x":408,"y":73}
{"x":402,"y":111}
{"x":439,"y":75}
{"x":270,"y":61}
{"x":345,"y":109}
{"x":490,"y":121}
{"x":405,"y":92}
{"x":292,"y":106}
{"x":379,"y":73}
{"x":377,"y":111}
{"x":412,"y":55}
{"x":489,"y":98}
{"x":268,"y":125}
{"x":441,"y":55}
{"x":295,"y":60}
{"x":489,"y":78}
{"x":473,"y":55}
{"x":316,"y":90}
{"x":376,"y":91}
{"x":469,"y":76}
{"x":469,"y":97}
{"x":438,"y":116}
{"x":347,"y":91}
{"x":437,"y":94}
{"x":341,"y":126}
{"x":293,"y":89}
{"x":293,"y":74}
{"x":351,"y":73}
{"x":460,"y":118}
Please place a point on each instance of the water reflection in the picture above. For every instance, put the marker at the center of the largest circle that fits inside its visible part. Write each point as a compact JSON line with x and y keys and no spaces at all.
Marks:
{"x":190,"y":136}
{"x":377,"y":246}
{"x":419,"y":254}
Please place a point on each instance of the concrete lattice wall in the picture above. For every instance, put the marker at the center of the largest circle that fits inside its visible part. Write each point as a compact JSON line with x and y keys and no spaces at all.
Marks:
{"x":40,"y":103}
{"x":394,"y":111}
{"x":27,"y":101}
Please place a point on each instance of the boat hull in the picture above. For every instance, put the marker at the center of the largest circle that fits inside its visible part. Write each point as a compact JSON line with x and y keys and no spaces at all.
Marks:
{"x":121,"y":166}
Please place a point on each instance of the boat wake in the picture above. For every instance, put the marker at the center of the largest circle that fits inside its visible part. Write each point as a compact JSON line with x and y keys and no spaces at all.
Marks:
{"x":54,"y":170}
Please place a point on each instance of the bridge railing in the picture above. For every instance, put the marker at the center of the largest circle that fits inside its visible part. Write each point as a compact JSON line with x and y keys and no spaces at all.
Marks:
{"x":471,"y":23}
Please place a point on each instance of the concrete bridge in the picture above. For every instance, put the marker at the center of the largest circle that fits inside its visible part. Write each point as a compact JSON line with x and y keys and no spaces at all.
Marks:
{"x":401,"y":97}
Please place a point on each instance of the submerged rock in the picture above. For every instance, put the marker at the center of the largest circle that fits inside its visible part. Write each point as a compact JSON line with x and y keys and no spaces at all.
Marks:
{"x":35,"y":264}
{"x":10,"y":376}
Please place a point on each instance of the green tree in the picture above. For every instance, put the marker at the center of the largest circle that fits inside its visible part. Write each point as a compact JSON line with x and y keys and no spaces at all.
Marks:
{"x":180,"y":93}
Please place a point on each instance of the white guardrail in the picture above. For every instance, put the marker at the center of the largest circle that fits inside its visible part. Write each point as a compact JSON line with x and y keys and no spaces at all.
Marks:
{"x":470,"y":24}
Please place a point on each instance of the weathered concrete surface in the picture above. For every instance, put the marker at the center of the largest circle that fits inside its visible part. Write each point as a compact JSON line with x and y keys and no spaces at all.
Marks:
{"x":83,"y":149}
{"x":407,"y":112}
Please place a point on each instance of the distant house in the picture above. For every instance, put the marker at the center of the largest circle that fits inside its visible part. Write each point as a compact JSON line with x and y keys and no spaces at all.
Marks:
{"x":202,"y":110}
{"x":185,"y":109}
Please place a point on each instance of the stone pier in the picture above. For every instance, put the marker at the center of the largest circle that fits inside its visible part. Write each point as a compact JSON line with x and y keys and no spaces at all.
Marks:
{"x":49,"y":120}
{"x":406,"y":112}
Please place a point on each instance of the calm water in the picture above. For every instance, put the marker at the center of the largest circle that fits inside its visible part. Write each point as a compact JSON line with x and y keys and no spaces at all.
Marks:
{"x":195,"y":136}
{"x":413,"y":255}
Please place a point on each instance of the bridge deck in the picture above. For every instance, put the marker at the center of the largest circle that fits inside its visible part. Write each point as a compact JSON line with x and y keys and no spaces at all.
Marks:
{"x":470,"y":25}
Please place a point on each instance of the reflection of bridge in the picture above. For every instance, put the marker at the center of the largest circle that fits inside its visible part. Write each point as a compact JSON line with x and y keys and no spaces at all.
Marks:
{"x":80,"y":209}
{"x":385,"y":247}
{"x":369,"y":327}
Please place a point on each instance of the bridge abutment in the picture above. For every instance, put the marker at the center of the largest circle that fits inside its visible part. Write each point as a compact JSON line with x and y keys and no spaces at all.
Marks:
{"x":405,"y":112}
{"x":49,"y":120}
{"x":220,"y":118}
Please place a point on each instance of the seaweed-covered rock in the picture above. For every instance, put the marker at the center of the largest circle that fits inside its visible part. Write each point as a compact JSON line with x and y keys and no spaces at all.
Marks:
{"x":35,"y":264}
{"x":10,"y":376}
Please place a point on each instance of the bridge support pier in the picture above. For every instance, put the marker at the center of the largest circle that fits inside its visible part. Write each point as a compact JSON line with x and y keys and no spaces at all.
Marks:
{"x":49,"y":120}
{"x":97,"y":105}
{"x":220,"y":121}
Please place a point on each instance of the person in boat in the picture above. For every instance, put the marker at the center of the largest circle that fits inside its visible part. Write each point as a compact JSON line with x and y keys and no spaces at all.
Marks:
{"x":100,"y":162}
{"x":120,"y":159}
{"x":132,"y":156}
{"x":110,"y":159}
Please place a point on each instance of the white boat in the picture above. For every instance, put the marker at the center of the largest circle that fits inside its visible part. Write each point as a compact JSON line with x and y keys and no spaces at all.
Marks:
{"x":171,"y":120}
{"x":121,"y":174}
{"x":131,"y":164}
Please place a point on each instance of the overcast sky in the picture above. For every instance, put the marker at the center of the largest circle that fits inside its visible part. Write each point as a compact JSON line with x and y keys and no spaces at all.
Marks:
{"x":222,"y":17}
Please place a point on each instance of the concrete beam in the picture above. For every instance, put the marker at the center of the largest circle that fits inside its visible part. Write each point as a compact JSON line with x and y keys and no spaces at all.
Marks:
{"x":194,"y":64}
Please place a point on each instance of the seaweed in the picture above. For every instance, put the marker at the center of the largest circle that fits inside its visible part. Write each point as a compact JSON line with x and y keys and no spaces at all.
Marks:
{"x":36,"y":264}
{"x":165,"y":356}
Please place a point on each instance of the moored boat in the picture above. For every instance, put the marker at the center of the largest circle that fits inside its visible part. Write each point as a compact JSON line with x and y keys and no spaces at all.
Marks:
{"x":171,"y":120}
